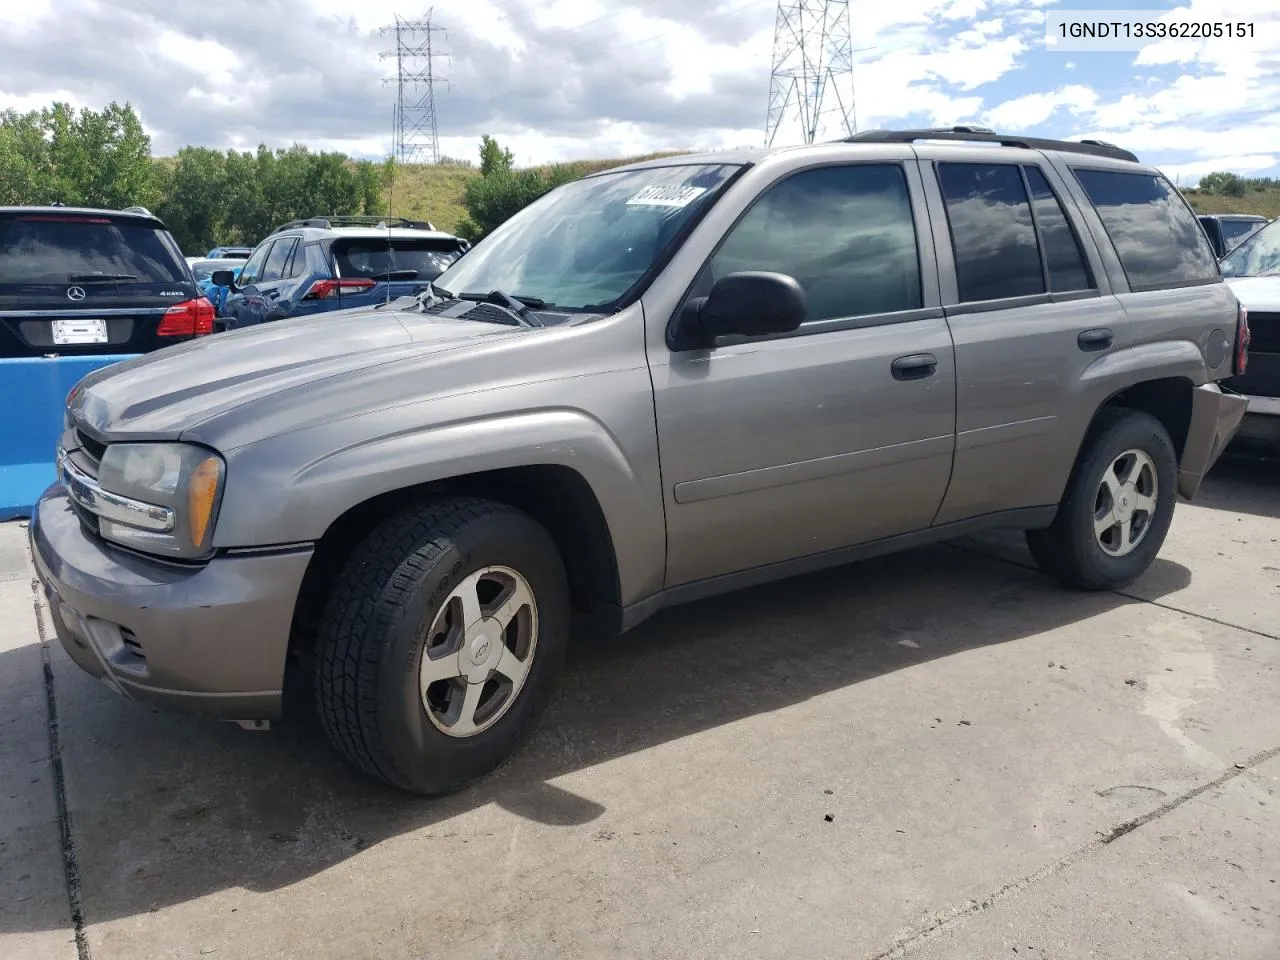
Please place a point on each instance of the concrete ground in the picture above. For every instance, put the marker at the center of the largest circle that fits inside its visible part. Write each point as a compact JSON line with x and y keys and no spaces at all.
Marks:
{"x":933,"y":755}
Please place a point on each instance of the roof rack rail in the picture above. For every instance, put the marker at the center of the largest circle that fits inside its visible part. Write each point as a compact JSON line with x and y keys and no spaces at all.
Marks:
{"x":1096,"y":148}
{"x":329,"y":222}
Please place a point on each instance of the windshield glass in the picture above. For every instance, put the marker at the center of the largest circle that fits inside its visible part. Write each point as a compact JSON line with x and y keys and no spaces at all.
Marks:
{"x":1233,"y":231}
{"x":584,"y":245}
{"x":1258,"y":256}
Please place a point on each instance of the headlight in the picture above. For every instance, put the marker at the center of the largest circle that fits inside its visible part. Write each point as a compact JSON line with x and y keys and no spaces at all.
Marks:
{"x":183,"y":478}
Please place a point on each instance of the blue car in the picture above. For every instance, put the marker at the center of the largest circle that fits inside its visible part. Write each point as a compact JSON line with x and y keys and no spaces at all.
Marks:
{"x":322,"y":264}
{"x":229,"y":253}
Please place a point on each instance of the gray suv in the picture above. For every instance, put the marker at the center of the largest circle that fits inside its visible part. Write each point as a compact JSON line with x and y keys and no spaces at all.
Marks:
{"x":655,"y":384}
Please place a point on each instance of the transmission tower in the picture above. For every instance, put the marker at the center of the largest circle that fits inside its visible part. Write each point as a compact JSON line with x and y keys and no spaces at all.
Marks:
{"x":415,"y":134}
{"x":812,"y":82}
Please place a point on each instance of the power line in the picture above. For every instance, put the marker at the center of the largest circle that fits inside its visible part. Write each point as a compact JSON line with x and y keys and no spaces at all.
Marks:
{"x":812,"y":77}
{"x":414,"y":128}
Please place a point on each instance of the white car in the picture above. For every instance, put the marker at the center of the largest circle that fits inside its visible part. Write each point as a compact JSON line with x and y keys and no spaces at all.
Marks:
{"x":1253,"y":271}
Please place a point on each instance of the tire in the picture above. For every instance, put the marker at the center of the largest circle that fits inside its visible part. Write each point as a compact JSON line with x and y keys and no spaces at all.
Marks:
{"x":1069,"y":550}
{"x":407,"y":580}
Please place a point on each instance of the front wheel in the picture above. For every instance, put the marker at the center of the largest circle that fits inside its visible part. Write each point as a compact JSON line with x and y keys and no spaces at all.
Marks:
{"x":1118,"y":505}
{"x":441,"y":643}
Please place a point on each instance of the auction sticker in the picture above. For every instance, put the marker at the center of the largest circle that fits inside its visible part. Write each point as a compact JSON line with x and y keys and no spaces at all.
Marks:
{"x":666,"y":196}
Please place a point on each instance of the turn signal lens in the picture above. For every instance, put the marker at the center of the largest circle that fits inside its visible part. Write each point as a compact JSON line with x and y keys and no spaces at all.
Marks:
{"x":202,"y":493}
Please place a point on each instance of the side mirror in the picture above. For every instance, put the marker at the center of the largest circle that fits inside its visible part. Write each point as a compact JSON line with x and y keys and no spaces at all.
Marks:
{"x":748,"y":304}
{"x":223,"y":278}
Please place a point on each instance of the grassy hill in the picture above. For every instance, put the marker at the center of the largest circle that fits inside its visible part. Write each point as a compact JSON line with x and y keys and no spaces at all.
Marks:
{"x":1265,"y":202}
{"x":435,"y":193}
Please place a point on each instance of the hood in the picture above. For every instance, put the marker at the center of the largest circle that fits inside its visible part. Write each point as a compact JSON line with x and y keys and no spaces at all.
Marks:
{"x":159,"y":395}
{"x":1257,"y":293}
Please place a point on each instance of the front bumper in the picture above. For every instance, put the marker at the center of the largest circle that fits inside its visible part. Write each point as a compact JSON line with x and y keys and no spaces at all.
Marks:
{"x":1215,"y":418}
{"x":208,"y":639}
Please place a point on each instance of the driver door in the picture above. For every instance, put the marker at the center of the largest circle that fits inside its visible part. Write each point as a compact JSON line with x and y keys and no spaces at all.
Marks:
{"x":785,"y":447}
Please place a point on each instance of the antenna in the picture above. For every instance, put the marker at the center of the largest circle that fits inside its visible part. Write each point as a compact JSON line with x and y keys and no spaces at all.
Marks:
{"x":812,"y":80}
{"x":416,"y":138}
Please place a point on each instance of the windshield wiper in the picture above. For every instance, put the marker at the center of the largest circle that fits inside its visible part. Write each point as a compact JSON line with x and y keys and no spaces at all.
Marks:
{"x":395,"y":275}
{"x":522,"y":307}
{"x":103,"y":277}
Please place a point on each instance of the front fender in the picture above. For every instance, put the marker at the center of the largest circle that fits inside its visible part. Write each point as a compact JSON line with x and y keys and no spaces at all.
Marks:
{"x":269,"y":501}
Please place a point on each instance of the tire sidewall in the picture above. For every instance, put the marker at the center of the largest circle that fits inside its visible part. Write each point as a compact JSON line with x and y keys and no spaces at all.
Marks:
{"x":1136,"y":431}
{"x":422,"y":754}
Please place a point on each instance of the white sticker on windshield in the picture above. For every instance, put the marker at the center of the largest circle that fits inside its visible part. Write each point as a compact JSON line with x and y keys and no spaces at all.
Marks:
{"x":666,"y":196}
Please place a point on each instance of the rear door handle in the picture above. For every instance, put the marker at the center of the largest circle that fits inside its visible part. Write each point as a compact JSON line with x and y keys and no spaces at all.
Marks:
{"x":1098,"y":339}
{"x":915,"y":367}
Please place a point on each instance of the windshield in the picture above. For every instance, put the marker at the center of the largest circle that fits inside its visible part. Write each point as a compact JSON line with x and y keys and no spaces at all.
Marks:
{"x":586,"y":244}
{"x":1233,"y":231}
{"x":1258,"y":256}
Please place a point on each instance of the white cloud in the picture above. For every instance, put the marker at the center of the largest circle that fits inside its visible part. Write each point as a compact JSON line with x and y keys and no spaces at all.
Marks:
{"x":1244,"y":164}
{"x":1034,"y":109}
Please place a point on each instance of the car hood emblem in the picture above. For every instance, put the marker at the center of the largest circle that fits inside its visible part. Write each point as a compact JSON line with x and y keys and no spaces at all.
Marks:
{"x":75,"y":293}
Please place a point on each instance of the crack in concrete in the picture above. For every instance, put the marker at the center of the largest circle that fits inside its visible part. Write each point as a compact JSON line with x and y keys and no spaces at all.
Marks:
{"x":902,"y":945}
{"x":70,"y":862}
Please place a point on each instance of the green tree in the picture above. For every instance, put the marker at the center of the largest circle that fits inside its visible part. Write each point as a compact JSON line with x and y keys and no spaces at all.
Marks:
{"x":493,"y":158}
{"x":194,"y":205}
{"x":1223,"y":184}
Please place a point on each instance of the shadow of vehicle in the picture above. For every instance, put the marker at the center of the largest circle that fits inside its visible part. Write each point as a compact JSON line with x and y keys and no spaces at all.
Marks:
{"x":1245,"y":480}
{"x":167,"y":809}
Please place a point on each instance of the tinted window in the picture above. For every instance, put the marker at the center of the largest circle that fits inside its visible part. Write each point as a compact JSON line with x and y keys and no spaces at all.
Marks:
{"x":58,"y":248}
{"x":253,"y":268}
{"x":845,"y":233}
{"x":1155,"y":234}
{"x":1233,"y":231}
{"x":1062,"y":253}
{"x":992,"y":232}
{"x":425,"y":258}
{"x":278,"y":258}
{"x":297,"y":262}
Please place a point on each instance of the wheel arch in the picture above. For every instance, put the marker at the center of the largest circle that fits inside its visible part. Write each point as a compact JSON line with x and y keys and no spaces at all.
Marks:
{"x":556,"y":496}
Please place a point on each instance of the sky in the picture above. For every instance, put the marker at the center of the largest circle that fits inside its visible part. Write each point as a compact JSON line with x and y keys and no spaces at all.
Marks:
{"x":576,"y":79}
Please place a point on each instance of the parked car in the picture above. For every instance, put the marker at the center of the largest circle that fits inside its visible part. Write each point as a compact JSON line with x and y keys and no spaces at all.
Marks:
{"x":203,"y":270}
{"x":1253,"y":271}
{"x":330,"y":263}
{"x":229,"y":253}
{"x":654,"y":384}
{"x":77,"y":281}
{"x":1226,"y":230}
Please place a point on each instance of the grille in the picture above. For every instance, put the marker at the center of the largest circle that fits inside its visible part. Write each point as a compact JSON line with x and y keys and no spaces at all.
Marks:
{"x":487,"y":312}
{"x":131,"y":642}
{"x":1264,"y":332}
{"x":90,"y":446}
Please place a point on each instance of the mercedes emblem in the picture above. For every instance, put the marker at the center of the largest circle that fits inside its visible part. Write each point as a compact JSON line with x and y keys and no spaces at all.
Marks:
{"x":75,"y":293}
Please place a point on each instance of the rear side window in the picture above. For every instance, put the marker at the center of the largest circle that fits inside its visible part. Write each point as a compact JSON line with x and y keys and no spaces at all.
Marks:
{"x":399,"y":258}
{"x":992,"y":232}
{"x":278,"y":259}
{"x":59,"y":249}
{"x":1156,"y":236}
{"x":1062,"y":253}
{"x":846,"y":234}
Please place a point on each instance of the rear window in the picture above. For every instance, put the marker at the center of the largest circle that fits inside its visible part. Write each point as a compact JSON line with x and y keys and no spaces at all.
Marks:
{"x":1233,"y":231}
{"x":1157,"y":237}
{"x":426,"y":258}
{"x":64,"y":249}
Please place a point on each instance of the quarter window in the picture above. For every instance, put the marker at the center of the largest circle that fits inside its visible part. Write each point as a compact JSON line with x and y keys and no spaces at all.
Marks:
{"x":1156,"y":236}
{"x":846,"y":234}
{"x":992,"y":231}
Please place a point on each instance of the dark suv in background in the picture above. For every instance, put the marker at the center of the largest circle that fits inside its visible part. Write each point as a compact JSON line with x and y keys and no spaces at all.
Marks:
{"x":1227,"y":230}
{"x":335,"y":263}
{"x":79,"y":281}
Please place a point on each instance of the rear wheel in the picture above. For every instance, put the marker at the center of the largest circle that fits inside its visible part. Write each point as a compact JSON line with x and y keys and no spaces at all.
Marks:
{"x":441,"y":643}
{"x":1118,"y":505}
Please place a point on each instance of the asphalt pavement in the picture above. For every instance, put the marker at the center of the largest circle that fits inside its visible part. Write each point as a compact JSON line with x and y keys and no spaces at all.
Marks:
{"x":938,"y":754}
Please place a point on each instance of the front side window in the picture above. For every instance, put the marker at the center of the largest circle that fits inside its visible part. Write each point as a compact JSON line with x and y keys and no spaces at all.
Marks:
{"x":278,"y":258}
{"x":846,"y":234}
{"x":587,"y":244}
{"x":1157,"y":237}
{"x":1258,"y":256}
{"x":992,"y":232}
{"x":253,"y":267}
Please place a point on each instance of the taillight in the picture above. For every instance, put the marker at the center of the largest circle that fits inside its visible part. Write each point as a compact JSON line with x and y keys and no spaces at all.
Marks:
{"x":1242,"y":342}
{"x":191,"y":318}
{"x":332,"y":288}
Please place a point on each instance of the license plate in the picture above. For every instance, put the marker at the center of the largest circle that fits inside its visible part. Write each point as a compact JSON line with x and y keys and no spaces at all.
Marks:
{"x":79,"y":331}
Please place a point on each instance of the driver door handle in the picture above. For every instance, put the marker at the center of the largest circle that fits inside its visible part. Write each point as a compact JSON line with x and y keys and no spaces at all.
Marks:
{"x":915,"y":367}
{"x":1092,"y":340}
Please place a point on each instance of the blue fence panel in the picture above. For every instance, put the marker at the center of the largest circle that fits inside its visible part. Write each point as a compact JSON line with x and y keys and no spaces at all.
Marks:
{"x":33,"y":392}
